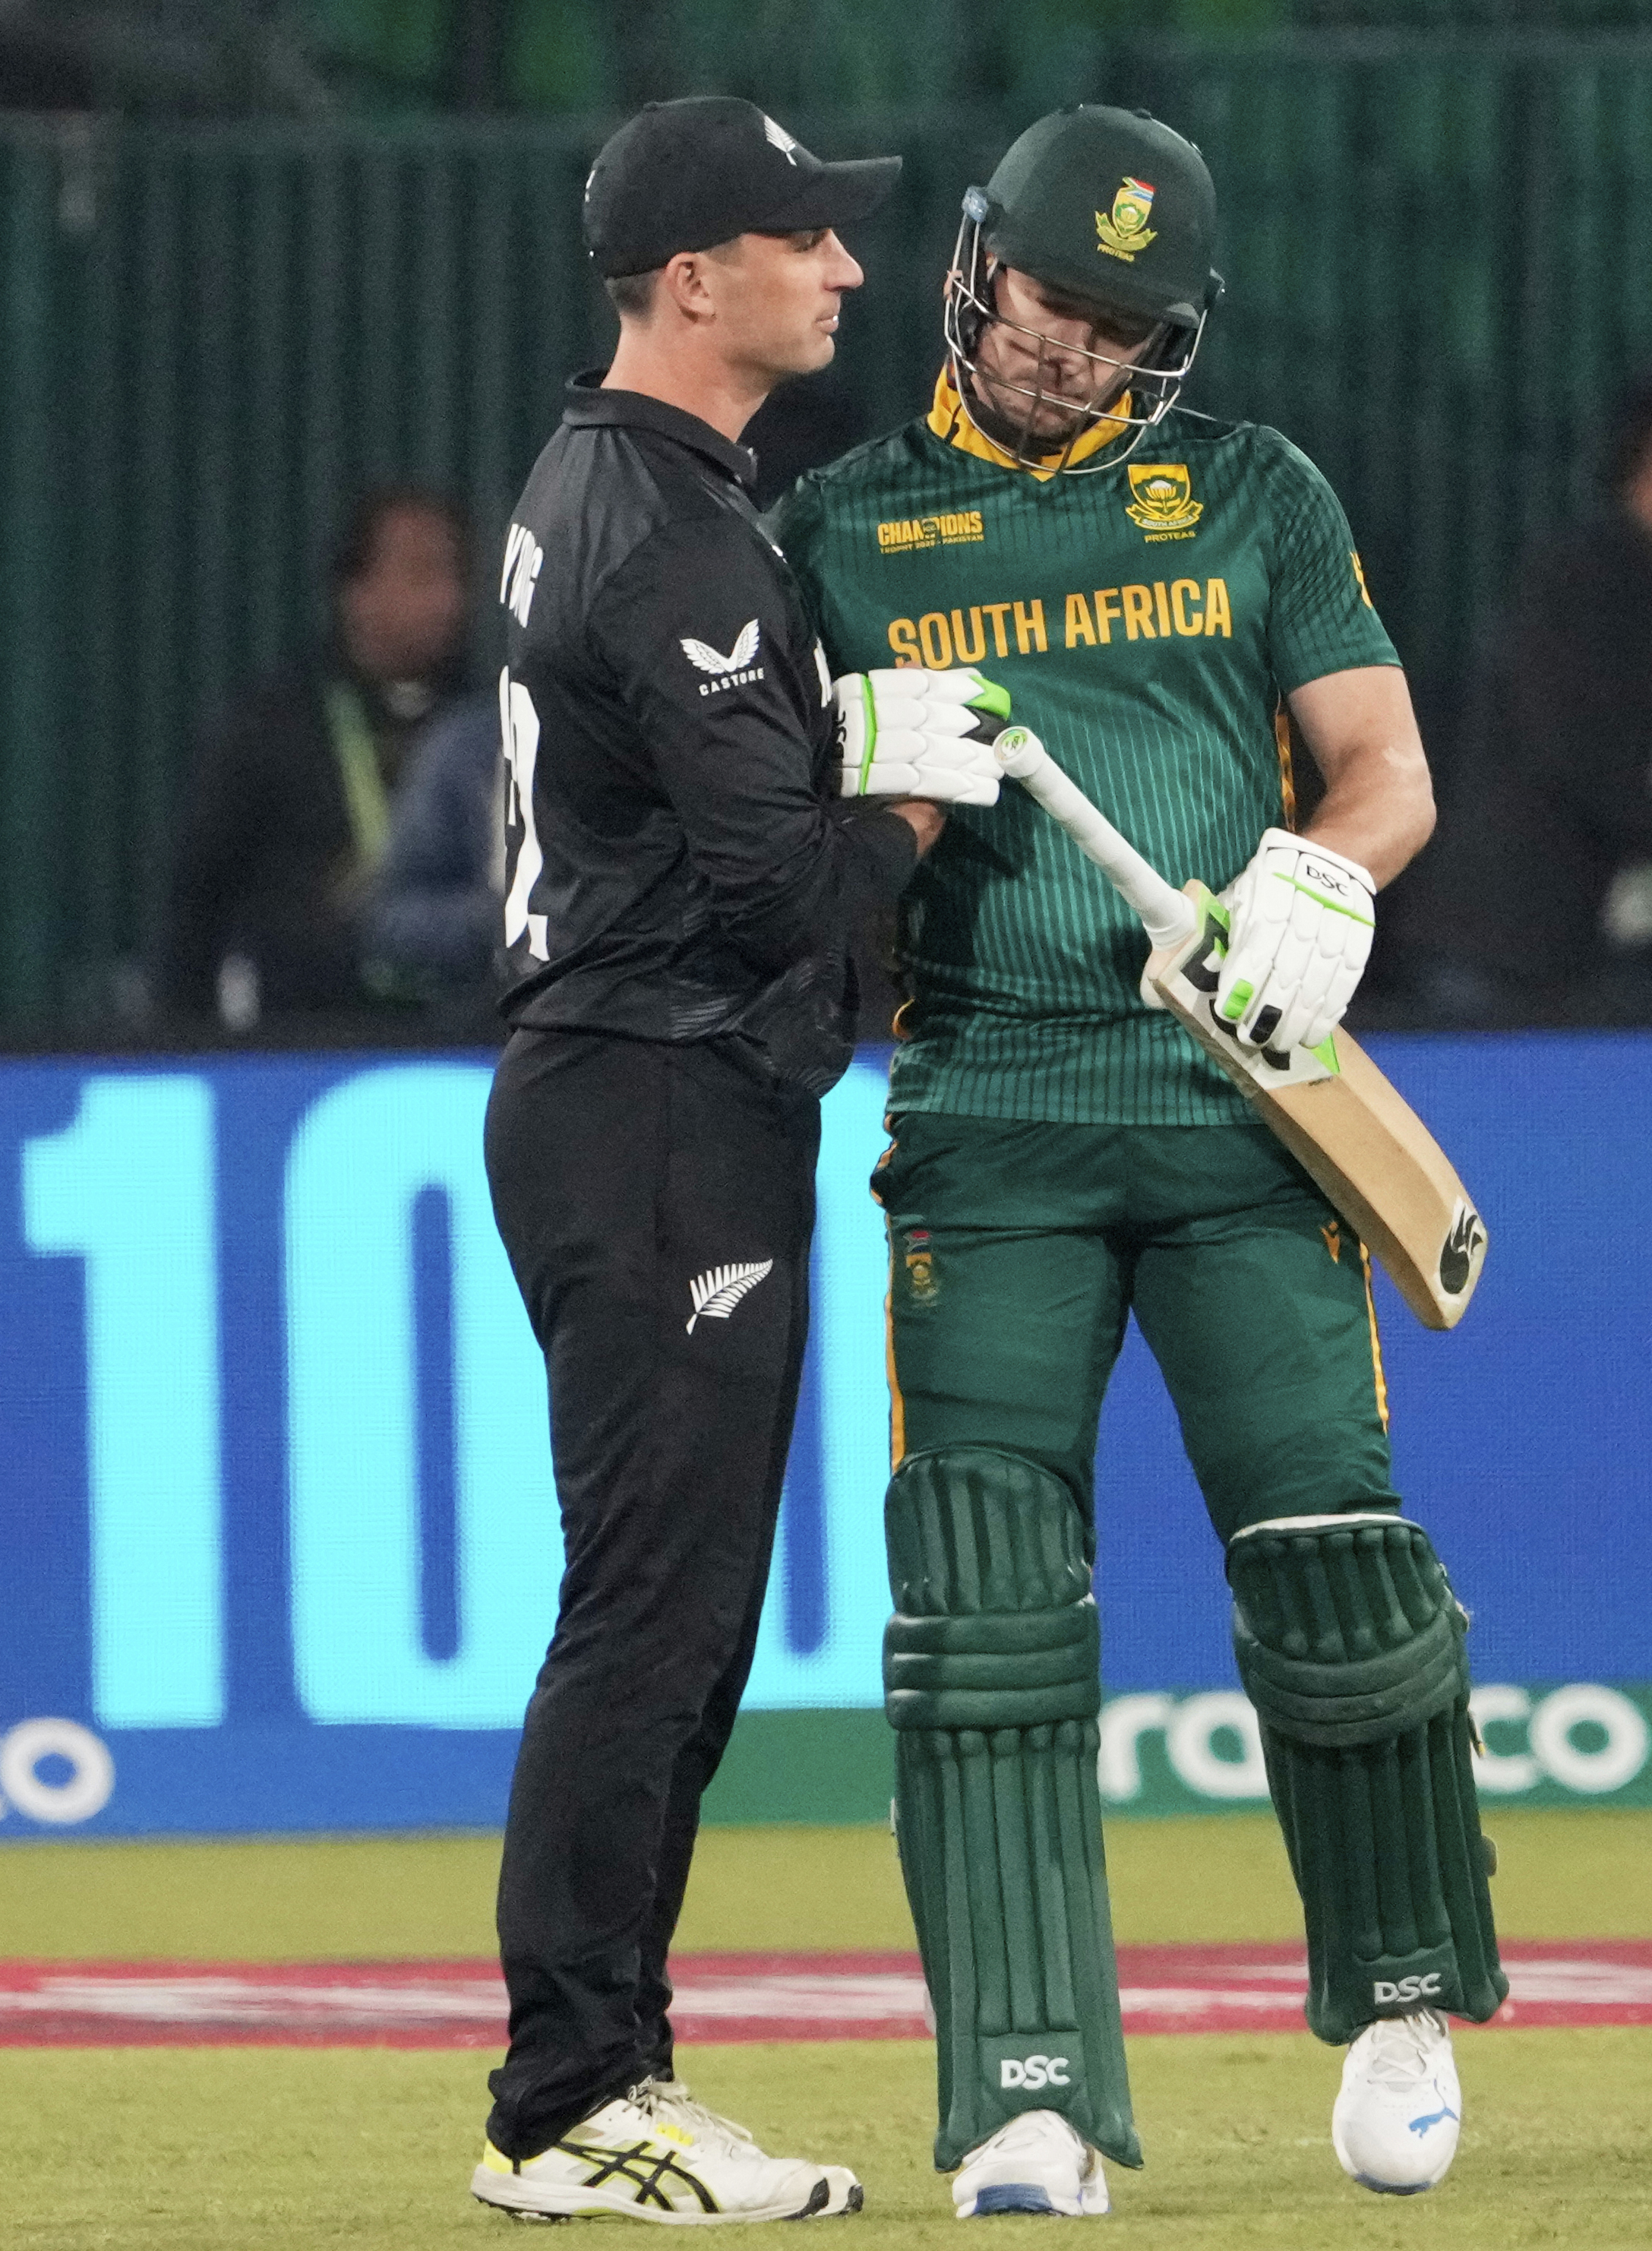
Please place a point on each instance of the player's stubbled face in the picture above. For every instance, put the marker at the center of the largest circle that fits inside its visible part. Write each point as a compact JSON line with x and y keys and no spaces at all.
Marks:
{"x":1068,"y":349}
{"x":778,"y":296}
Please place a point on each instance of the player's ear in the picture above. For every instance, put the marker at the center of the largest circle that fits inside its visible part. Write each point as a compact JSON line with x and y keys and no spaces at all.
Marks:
{"x":683,"y":286}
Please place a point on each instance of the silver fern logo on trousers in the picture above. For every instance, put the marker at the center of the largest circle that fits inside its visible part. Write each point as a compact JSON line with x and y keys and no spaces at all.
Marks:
{"x":719,"y":1290}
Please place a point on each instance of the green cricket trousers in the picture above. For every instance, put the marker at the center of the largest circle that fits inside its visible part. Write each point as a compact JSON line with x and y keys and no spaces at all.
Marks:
{"x":1018,"y":1249}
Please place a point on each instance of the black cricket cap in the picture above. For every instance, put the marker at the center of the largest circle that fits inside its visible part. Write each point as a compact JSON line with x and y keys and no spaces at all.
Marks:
{"x":687,"y":175}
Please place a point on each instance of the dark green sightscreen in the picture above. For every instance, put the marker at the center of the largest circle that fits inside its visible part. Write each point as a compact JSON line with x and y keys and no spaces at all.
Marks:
{"x":573,"y":55}
{"x":211,"y":335}
{"x":813,"y":55}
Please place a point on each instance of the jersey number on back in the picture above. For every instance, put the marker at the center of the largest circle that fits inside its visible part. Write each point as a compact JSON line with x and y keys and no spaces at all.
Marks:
{"x":519,"y":724}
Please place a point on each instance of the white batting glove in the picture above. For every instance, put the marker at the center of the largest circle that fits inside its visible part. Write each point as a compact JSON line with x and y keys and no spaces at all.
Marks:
{"x":1301,"y":924}
{"x":907,"y":733}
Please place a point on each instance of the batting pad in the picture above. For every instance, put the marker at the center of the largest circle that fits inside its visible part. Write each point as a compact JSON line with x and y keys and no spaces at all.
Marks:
{"x":1350,"y":1646}
{"x":993,"y":1682}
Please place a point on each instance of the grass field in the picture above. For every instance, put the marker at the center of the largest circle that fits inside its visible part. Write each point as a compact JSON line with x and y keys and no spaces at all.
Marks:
{"x":1561,"y":1875}
{"x":180,"y":2149}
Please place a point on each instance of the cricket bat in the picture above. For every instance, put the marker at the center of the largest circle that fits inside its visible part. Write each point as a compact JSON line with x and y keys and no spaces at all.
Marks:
{"x":1357,"y":1137}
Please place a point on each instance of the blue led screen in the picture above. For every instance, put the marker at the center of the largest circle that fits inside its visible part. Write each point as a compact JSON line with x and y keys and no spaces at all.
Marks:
{"x":277,"y":1518}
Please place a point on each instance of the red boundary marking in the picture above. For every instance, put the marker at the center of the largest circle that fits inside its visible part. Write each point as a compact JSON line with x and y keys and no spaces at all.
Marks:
{"x":720,"y":1997}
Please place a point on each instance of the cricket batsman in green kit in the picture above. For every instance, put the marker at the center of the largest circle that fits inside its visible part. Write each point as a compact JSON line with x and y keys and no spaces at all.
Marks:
{"x":1166,"y":600}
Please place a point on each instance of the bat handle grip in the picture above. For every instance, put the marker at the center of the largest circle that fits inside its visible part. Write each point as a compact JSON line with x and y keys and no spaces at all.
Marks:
{"x":1167,"y":915}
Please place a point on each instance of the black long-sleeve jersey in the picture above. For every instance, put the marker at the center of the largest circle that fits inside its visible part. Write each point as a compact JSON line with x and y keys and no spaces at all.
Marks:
{"x":677,"y":869}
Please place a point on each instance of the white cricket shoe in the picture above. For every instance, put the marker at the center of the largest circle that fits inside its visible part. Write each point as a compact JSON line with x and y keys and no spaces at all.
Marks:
{"x":1035,"y":2164}
{"x":633,"y":2159}
{"x":671,"y":2097}
{"x":1394,"y":2124}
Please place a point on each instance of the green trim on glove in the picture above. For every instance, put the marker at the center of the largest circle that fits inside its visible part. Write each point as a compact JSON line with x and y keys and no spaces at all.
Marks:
{"x":992,"y":698}
{"x":869,"y":706}
{"x":1331,"y":906}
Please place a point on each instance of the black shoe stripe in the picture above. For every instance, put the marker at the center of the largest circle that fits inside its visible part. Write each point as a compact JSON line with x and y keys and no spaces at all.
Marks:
{"x":617,"y":2165}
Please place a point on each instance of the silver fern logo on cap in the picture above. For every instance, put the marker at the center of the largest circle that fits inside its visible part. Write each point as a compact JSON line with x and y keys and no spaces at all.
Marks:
{"x":777,"y":137}
{"x":719,"y":1290}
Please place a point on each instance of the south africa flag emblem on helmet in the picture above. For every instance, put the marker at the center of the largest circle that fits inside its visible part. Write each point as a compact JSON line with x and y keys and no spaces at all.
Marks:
{"x":1123,"y":230}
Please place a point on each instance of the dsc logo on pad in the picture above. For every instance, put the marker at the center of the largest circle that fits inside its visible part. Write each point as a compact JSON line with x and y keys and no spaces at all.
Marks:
{"x":1034,"y":2071}
{"x":1385,"y":1991}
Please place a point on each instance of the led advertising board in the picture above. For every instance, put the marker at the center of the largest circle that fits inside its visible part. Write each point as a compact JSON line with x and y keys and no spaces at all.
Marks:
{"x":279,"y":1524}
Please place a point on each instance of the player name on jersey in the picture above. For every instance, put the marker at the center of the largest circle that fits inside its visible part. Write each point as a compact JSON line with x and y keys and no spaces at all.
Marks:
{"x":1141,"y":611}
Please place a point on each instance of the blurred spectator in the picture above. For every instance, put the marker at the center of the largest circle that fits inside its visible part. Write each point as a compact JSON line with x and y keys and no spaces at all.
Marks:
{"x":435,"y":917}
{"x":1543,"y":871}
{"x":286,"y":816}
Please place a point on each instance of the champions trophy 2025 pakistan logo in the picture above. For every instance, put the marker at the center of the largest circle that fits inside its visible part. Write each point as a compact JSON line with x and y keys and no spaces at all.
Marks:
{"x":1123,"y":230}
{"x":1162,"y":503}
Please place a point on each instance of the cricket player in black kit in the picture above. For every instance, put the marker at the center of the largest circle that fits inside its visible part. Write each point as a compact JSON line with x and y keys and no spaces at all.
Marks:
{"x":682,"y":884}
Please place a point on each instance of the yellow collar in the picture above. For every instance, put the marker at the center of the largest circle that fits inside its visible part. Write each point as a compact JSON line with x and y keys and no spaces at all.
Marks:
{"x":949,"y":420}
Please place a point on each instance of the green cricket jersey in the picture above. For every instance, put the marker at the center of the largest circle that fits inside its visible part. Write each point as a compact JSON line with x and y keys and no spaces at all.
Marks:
{"x":1147,"y":620}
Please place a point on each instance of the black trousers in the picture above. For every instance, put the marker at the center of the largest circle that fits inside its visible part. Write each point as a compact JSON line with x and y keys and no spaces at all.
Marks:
{"x":657,"y":1203}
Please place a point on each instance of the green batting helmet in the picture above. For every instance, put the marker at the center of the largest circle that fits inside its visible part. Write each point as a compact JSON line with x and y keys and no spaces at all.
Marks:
{"x":1110,"y":207}
{"x":1108,"y":203}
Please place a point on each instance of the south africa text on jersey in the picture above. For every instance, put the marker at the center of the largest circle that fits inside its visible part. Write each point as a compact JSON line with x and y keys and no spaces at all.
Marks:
{"x":1154,"y":612}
